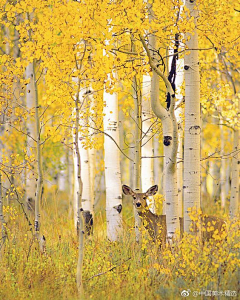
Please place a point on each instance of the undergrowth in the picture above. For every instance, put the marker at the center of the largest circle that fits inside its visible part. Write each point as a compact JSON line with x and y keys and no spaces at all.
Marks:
{"x":112,"y":270}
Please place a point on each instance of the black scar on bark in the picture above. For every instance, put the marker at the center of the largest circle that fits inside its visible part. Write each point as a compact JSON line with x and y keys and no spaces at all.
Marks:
{"x":168,"y":101}
{"x":88,"y":221}
{"x":118,"y":208}
{"x":167,"y":140}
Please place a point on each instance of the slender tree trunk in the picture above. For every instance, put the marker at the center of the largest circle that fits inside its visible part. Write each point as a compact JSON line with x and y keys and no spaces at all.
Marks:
{"x":31,"y":136}
{"x":79,"y":188}
{"x":85,"y":174}
{"x":156,"y":163}
{"x":179,"y":114}
{"x":137,"y":149}
{"x":86,"y":198}
{"x":2,"y":220}
{"x":92,"y":162}
{"x":234,"y":199}
{"x":170,"y":139}
{"x":228,"y":169}
{"x":70,"y":181}
{"x":112,"y":168}
{"x":223,"y":172}
{"x":39,"y":159}
{"x":147,"y":140}
{"x":192,"y":123}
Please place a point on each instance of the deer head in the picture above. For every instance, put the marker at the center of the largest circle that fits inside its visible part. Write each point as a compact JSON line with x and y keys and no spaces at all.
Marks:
{"x":139,"y":199}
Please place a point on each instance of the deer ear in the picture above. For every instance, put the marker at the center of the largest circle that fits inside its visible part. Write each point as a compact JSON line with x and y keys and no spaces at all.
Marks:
{"x":152,"y":190}
{"x":127,"y":190}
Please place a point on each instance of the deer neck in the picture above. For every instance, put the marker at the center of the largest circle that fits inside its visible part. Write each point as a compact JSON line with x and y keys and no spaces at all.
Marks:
{"x":146,"y":214}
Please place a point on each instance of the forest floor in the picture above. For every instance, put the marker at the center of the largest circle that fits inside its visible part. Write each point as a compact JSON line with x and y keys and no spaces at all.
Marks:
{"x":112,"y":270}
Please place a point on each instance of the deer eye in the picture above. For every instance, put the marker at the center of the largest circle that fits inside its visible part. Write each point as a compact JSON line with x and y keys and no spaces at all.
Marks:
{"x":144,"y":198}
{"x":134,"y":197}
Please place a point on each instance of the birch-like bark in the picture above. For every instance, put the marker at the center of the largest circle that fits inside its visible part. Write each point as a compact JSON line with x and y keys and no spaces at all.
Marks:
{"x":112,"y":167}
{"x":70,"y":180}
{"x":85,"y":174}
{"x":31,"y":135}
{"x":2,"y":220}
{"x":137,"y":97}
{"x":147,"y":175}
{"x":86,"y":198}
{"x":234,"y":199}
{"x":92,"y":164}
{"x":179,"y":113}
{"x":223,"y":173}
{"x":79,"y":183}
{"x":228,"y":168}
{"x":156,"y":163}
{"x":170,"y":139}
{"x":192,"y":129}
{"x":92,"y":156}
{"x":39,"y":159}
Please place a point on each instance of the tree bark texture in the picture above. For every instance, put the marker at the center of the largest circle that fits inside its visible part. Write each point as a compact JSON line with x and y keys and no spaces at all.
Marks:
{"x":112,"y":167}
{"x":192,"y":129}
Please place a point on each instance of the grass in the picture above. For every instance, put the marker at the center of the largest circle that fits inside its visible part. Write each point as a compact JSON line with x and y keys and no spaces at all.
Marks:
{"x":112,"y":270}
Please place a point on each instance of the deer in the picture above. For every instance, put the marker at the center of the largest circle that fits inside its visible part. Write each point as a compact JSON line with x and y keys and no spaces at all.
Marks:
{"x":87,"y":216}
{"x":156,"y":224}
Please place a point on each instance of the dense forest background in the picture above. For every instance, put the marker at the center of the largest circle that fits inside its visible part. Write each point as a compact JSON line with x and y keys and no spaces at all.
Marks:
{"x":97,"y":94}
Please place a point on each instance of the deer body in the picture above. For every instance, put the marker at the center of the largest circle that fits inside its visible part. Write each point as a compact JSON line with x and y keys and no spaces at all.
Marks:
{"x":156,"y":224}
{"x":210,"y":221}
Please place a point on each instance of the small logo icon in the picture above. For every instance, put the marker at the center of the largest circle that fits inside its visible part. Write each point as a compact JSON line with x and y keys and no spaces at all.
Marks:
{"x":185,"y":293}
{"x":195,"y":293}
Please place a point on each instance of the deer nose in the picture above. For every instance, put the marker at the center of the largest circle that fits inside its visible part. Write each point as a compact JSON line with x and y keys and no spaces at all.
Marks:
{"x":138,"y":204}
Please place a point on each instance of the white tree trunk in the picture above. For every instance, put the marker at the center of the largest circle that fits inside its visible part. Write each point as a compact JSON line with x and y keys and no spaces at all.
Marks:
{"x":137,"y":161}
{"x":170,"y":141}
{"x":79,"y":185}
{"x":31,"y":135}
{"x":112,"y":167}
{"x":2,"y":220}
{"x":92,"y":164}
{"x":86,"y":179}
{"x":147,"y":175}
{"x":234,"y":199}
{"x":192,"y":123}
{"x":39,"y":164}
{"x":156,"y":163}
{"x":228,"y":168}
{"x":223,"y":172}
{"x":86,"y":199}
{"x":70,"y":180}
{"x":179,"y":113}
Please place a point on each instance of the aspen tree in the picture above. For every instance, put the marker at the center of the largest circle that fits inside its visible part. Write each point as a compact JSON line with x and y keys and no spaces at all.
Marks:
{"x":192,"y":130}
{"x":170,"y":138}
{"x":147,"y":139}
{"x":80,"y":221}
{"x":2,"y":220}
{"x":179,"y":113}
{"x":234,"y":199}
{"x":31,"y":134}
{"x":86,"y":200}
{"x":39,"y":163}
{"x":112,"y":166}
{"x":223,"y":173}
{"x":137,"y":146}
